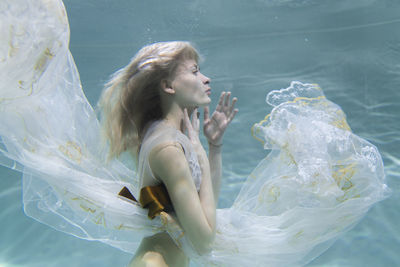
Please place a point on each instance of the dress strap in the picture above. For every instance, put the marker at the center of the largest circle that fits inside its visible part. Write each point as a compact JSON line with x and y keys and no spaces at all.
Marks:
{"x":167,"y":144}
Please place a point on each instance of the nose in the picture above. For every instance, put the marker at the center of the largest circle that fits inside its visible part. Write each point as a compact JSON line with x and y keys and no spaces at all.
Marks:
{"x":206,"y":80}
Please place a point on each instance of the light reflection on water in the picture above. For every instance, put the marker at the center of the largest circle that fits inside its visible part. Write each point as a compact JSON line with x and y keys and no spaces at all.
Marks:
{"x":351,"y":49}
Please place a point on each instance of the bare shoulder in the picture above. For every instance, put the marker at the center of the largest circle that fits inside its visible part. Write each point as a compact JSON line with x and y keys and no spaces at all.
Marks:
{"x":168,"y":158}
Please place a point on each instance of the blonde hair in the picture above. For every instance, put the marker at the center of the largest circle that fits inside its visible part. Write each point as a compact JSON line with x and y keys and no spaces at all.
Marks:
{"x":131,"y":98}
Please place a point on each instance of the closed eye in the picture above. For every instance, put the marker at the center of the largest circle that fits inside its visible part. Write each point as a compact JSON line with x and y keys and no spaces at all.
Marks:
{"x":196,"y":69}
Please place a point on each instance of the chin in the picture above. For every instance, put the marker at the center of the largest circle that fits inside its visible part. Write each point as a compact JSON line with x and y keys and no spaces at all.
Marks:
{"x":208,"y":101}
{"x":205,"y":103}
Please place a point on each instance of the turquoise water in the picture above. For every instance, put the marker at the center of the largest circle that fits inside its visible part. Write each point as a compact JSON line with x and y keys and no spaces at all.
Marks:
{"x":350,"y":48}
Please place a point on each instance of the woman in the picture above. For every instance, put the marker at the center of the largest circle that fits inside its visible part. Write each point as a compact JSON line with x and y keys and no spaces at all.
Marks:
{"x":318,"y":180}
{"x":154,"y":98}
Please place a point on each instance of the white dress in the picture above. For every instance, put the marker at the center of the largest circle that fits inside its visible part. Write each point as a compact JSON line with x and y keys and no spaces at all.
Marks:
{"x":317,"y":182}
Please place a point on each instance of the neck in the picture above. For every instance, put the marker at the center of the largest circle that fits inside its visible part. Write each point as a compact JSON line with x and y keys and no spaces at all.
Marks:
{"x":175,"y":117}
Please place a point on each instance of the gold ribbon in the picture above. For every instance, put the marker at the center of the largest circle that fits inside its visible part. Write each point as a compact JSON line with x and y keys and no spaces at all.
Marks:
{"x":154,"y":198}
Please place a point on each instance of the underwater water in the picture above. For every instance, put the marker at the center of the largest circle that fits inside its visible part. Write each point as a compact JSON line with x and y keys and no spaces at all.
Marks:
{"x":350,"y":48}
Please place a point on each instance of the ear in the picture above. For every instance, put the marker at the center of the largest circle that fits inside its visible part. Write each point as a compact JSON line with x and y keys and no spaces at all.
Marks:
{"x":166,"y":87}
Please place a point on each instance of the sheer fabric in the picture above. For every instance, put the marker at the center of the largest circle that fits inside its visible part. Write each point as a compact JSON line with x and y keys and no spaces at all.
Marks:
{"x":317,"y":182}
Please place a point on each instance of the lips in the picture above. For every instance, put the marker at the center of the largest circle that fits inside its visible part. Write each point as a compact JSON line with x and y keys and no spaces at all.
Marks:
{"x":208,"y":91}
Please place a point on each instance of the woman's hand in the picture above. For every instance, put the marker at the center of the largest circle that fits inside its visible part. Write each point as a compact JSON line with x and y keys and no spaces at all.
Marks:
{"x":215,"y":126}
{"x":192,"y":127}
{"x":170,"y":224}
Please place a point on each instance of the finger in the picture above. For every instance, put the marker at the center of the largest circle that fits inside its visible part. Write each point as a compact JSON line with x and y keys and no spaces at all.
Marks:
{"x":221,"y":102}
{"x":187,"y":121}
{"x":234,"y":100}
{"x":206,"y":113}
{"x":232,"y":115}
{"x":167,"y":220}
{"x":164,"y":218}
{"x":195,"y":119}
{"x":185,"y":116}
{"x":227,"y":98}
{"x":194,"y":115}
{"x":198,"y":119}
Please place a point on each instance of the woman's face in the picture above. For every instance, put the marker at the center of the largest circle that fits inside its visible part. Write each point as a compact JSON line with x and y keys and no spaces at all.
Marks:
{"x":191,"y":87}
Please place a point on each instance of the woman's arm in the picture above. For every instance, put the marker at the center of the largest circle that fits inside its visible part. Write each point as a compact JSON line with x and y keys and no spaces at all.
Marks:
{"x":215,"y":159}
{"x":195,"y":212}
{"x":214,"y":129}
